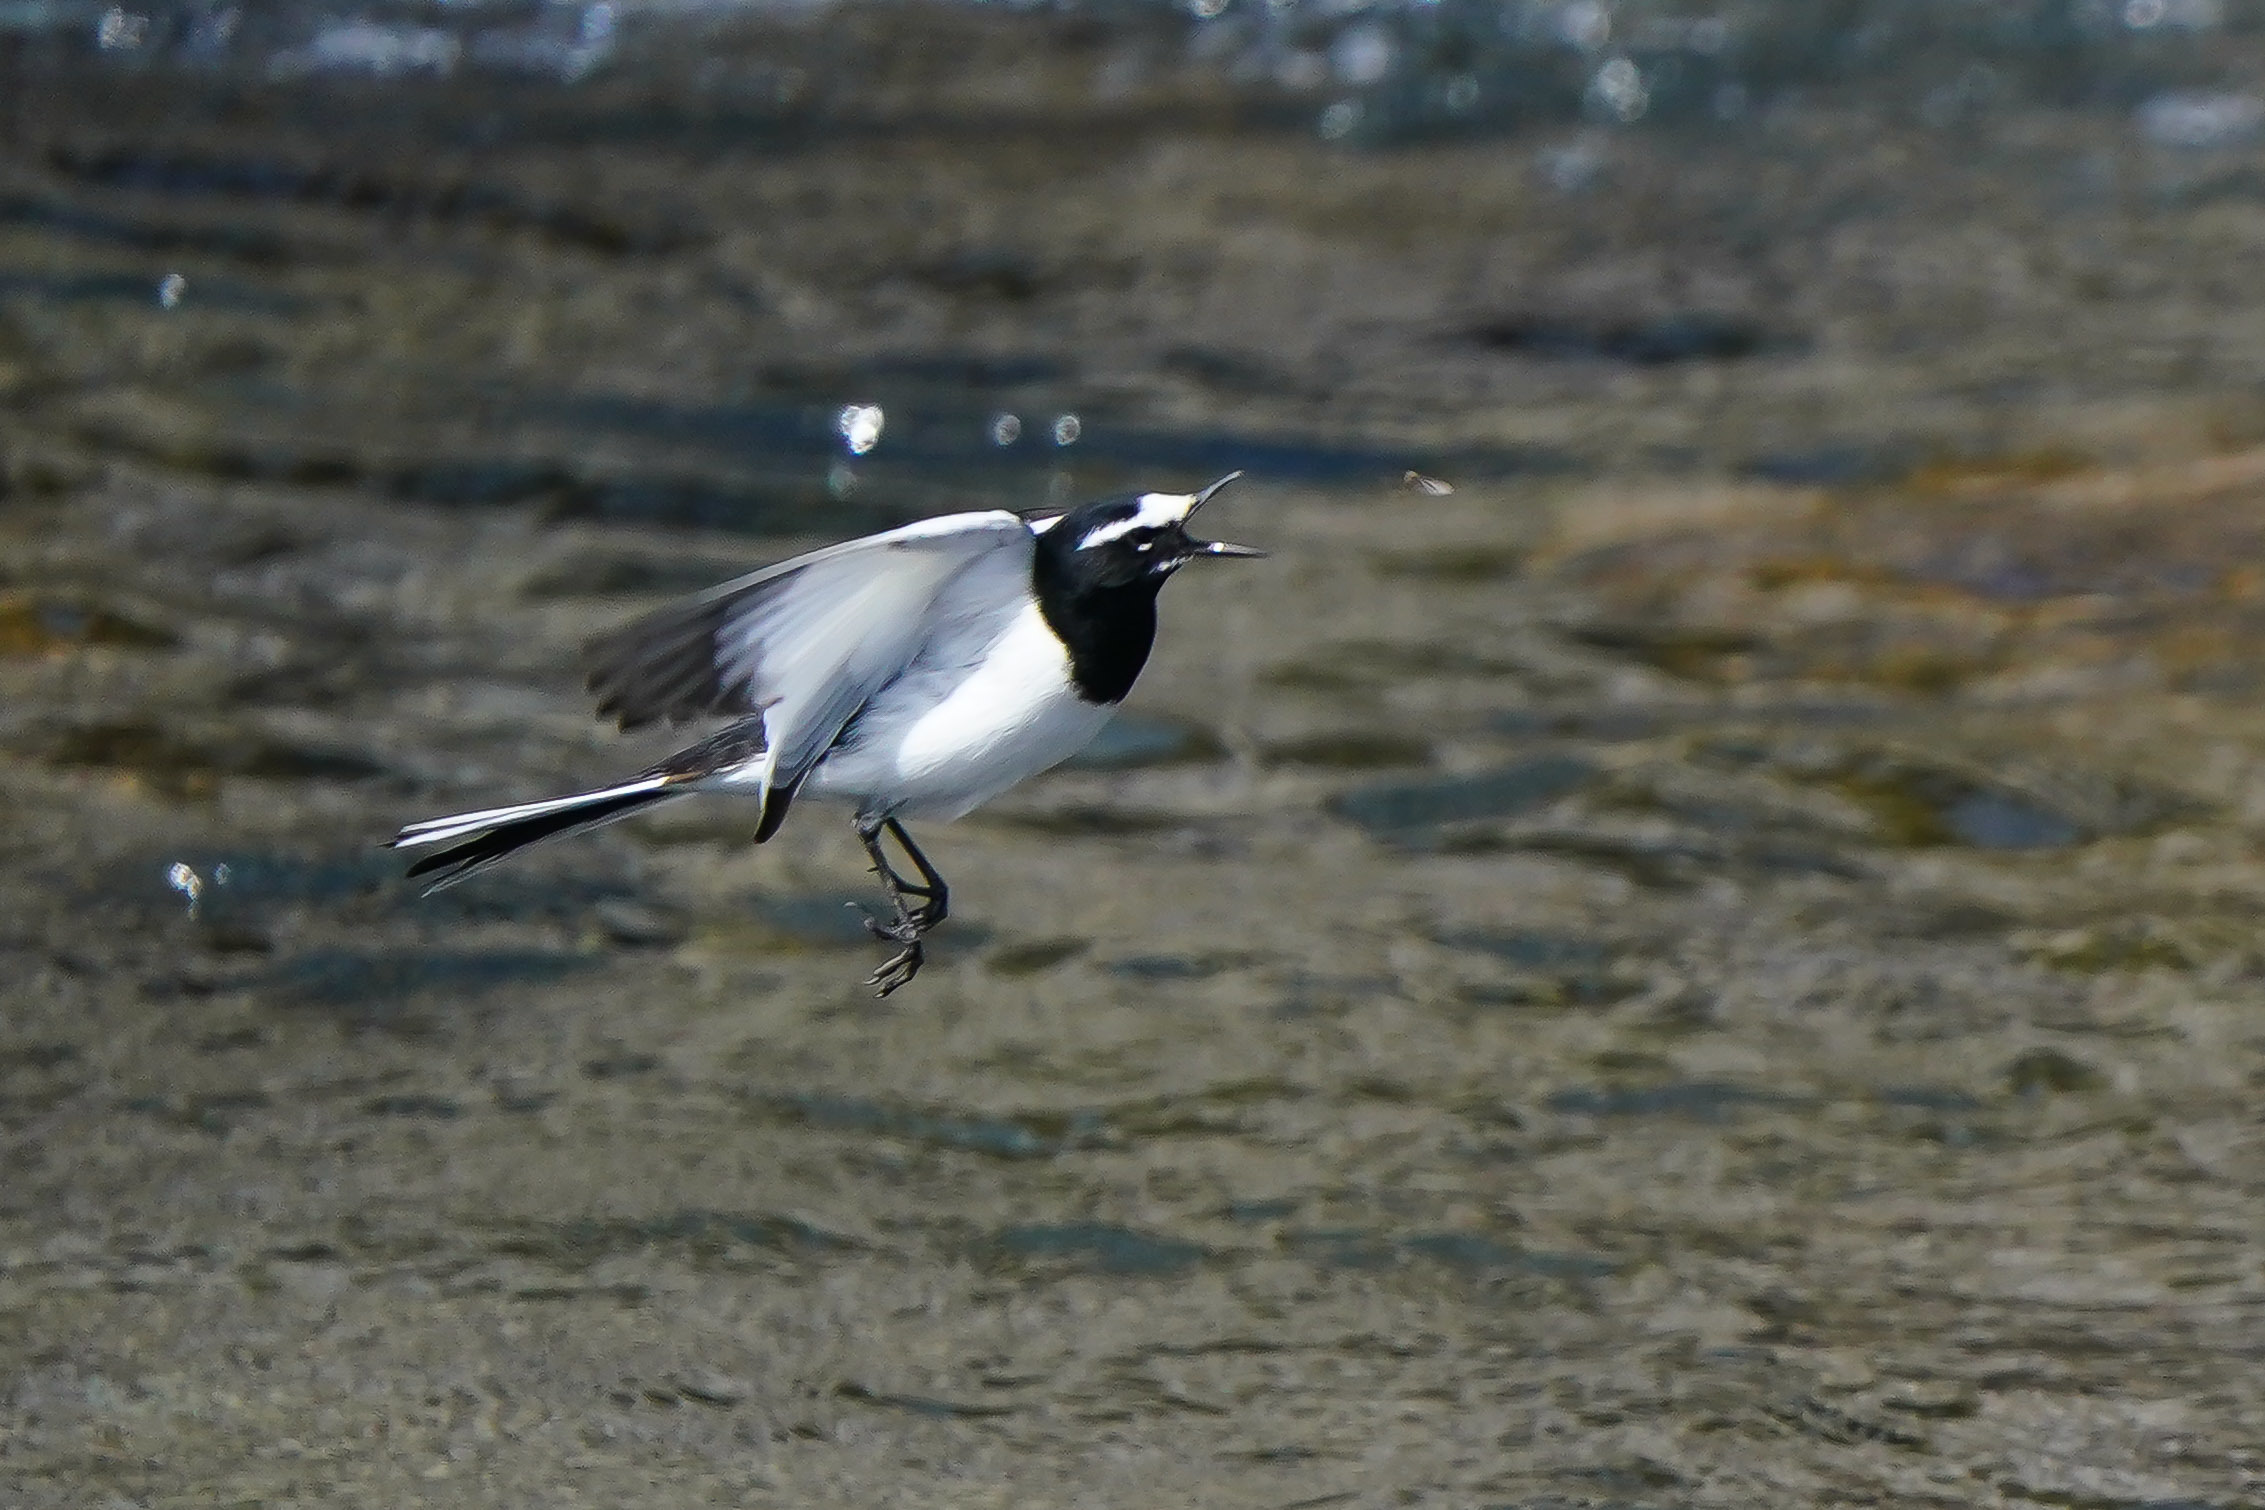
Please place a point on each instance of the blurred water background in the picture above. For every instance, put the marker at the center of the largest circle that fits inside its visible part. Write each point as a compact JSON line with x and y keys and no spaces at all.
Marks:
{"x":1583,"y":203}
{"x":1707,"y":954}
{"x":1365,"y":72}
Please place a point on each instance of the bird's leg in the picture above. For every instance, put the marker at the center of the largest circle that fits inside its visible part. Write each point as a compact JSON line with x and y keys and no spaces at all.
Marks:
{"x":910,"y":923}
{"x":935,"y":896}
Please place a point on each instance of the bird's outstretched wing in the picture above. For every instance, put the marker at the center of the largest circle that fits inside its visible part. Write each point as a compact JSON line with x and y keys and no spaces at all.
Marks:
{"x":804,"y":643}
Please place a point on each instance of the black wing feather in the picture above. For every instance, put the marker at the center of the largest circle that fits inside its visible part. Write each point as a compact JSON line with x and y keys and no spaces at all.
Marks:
{"x":663,"y":666}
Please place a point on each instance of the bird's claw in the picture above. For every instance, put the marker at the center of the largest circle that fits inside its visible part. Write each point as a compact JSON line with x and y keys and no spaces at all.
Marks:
{"x":904,"y":931}
{"x":899,"y":970}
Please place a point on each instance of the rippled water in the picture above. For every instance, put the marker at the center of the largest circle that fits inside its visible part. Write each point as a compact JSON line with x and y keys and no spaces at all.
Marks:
{"x":1706,"y":956}
{"x":1332,"y":36}
{"x":1365,"y":72}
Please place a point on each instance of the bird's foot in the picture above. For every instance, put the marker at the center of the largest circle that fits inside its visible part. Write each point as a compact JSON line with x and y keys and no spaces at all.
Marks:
{"x":905,"y":930}
{"x":898,"y":970}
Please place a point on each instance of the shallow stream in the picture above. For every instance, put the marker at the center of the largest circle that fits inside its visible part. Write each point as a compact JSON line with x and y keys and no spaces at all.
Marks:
{"x":1715,"y":963}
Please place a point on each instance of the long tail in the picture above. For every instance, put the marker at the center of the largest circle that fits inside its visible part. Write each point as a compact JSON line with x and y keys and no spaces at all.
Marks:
{"x":491,"y":835}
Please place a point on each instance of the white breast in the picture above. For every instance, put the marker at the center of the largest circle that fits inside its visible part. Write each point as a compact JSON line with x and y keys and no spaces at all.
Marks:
{"x":956,"y":732}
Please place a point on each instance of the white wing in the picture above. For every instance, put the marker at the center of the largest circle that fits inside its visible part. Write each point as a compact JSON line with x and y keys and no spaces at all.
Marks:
{"x":804,"y":643}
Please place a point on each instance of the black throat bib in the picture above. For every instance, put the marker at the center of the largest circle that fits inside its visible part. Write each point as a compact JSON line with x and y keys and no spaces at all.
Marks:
{"x":1108,"y":630}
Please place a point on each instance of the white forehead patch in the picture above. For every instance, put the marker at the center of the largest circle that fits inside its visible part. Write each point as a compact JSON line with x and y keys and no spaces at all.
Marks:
{"x":1152,"y":511}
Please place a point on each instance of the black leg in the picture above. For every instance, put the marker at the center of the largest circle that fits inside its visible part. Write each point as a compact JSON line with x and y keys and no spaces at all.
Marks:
{"x":937,"y":896}
{"x":910,"y":923}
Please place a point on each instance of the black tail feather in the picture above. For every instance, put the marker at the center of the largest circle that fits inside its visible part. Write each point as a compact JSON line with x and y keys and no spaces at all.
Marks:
{"x":478,"y":853}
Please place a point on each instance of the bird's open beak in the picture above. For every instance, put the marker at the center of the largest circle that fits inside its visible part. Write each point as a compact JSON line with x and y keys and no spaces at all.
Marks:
{"x":1218,"y":547}
{"x":1204,"y":497}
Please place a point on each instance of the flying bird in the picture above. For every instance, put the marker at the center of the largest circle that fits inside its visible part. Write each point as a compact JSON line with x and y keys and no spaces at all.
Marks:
{"x":916,"y":673}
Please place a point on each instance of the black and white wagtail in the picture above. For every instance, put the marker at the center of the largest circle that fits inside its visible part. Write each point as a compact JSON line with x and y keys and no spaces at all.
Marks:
{"x":919,"y":672}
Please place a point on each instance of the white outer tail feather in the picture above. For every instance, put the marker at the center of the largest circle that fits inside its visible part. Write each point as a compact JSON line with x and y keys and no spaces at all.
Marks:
{"x":467,"y":825}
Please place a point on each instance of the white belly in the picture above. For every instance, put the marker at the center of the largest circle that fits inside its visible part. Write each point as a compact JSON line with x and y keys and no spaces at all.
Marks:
{"x":947,"y":739}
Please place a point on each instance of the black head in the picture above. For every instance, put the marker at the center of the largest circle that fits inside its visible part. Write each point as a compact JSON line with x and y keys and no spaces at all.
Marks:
{"x":1133,"y":539}
{"x":1097,"y":573}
